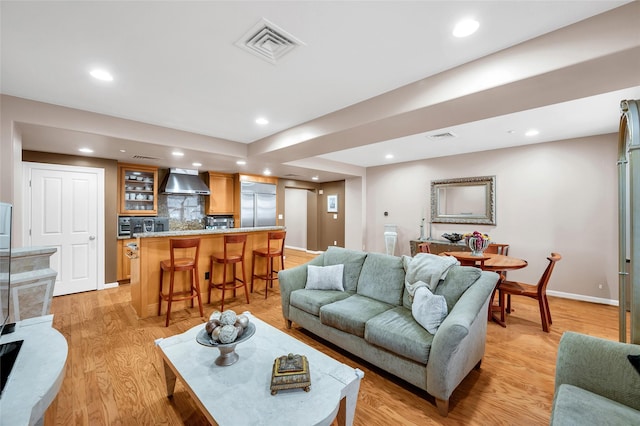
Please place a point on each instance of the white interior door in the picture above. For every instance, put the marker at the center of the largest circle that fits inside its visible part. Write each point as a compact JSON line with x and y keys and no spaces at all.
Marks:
{"x":64,"y":209}
{"x":295,"y":206}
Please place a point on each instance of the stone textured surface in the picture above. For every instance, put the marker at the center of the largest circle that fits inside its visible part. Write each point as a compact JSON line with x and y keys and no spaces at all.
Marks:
{"x":32,"y":282}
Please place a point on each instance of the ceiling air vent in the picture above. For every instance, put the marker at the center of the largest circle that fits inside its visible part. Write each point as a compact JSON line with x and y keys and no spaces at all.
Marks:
{"x":267,"y":41}
{"x":440,"y":136}
{"x":144,"y":157}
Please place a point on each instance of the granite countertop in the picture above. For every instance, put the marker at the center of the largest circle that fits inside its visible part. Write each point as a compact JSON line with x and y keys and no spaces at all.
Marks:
{"x":205,"y":232}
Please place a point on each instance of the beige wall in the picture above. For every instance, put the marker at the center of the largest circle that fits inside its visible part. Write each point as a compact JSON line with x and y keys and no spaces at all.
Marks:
{"x":322,"y":228}
{"x":559,"y":196}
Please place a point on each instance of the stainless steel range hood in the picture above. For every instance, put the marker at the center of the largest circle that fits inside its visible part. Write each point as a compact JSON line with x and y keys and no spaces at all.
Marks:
{"x":183,"y":181}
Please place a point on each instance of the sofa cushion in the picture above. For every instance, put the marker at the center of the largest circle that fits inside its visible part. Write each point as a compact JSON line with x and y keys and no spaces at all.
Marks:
{"x":324,"y":277}
{"x":457,"y":281}
{"x":311,"y":301}
{"x":352,"y":261}
{"x":428,"y":309}
{"x":382,"y":278}
{"x":576,"y":406}
{"x":351,"y":314}
{"x":396,"y":331}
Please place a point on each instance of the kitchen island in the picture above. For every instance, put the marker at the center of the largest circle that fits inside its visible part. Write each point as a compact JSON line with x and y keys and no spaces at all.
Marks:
{"x":153,"y":247}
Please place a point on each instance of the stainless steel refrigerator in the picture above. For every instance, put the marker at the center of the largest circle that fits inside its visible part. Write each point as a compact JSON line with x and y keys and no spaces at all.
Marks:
{"x":257,"y":204}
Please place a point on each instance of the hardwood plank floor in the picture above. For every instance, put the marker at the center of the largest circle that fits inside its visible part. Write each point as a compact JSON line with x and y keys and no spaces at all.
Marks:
{"x":114,"y":374}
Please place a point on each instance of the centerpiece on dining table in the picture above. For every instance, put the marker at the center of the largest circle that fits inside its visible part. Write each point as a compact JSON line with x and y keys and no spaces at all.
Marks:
{"x":477,"y":242}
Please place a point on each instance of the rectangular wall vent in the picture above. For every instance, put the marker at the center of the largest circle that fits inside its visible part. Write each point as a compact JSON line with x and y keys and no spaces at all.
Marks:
{"x":267,"y":41}
{"x":144,"y":157}
{"x":445,"y":135}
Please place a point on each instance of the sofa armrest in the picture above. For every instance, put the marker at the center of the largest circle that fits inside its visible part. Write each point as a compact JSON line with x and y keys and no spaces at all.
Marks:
{"x":459,"y":343}
{"x":294,"y":279}
{"x":599,"y":366}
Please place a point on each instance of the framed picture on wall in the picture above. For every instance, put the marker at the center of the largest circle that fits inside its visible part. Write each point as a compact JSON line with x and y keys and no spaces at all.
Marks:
{"x":332,"y":203}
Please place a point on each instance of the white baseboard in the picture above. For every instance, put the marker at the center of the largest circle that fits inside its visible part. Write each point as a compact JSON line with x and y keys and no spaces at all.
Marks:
{"x":303,"y":249}
{"x":583,"y":298}
{"x":111,"y":285}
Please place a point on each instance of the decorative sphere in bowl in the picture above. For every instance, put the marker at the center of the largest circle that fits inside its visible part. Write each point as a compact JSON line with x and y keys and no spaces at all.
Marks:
{"x":454,"y":237}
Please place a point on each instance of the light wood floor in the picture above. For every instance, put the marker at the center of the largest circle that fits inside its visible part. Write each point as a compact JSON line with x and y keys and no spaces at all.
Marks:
{"x":114,"y":373}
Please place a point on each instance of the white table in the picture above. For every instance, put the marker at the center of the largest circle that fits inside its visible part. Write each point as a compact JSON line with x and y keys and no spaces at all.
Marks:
{"x":37,"y":374}
{"x":240,"y":394}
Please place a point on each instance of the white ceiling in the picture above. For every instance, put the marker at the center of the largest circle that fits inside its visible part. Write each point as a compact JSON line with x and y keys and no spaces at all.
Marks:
{"x":176,"y":65}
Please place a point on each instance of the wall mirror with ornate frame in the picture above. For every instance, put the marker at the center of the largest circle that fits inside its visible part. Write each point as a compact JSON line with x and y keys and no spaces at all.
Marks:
{"x":464,"y":200}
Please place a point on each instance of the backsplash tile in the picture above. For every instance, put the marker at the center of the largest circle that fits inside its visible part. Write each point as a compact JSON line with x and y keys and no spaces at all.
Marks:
{"x":185,"y":212}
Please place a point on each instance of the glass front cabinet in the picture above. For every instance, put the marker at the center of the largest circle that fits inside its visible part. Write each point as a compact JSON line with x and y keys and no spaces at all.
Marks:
{"x":138,"y":190}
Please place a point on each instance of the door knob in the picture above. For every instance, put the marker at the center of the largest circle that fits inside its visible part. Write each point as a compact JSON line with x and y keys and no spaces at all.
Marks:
{"x":91,"y":238}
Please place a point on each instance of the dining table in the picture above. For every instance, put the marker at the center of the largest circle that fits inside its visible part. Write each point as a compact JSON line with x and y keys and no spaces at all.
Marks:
{"x":493,"y":262}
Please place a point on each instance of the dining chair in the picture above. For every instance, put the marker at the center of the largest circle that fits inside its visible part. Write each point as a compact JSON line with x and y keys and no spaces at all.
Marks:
{"x":498,"y":249}
{"x":424,"y":248}
{"x":502,"y":249}
{"x":537,"y":292}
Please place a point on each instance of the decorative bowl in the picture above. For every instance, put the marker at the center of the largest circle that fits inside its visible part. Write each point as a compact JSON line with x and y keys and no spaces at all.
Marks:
{"x":454,"y":237}
{"x":228,"y":353}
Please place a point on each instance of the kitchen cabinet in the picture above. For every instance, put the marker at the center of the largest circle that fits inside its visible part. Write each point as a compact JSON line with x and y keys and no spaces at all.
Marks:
{"x":124,"y":261}
{"x":137,"y":190}
{"x":220,"y":201}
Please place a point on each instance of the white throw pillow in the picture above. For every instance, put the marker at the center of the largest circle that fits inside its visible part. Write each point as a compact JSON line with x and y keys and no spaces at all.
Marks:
{"x":428,"y":309}
{"x":324,"y":277}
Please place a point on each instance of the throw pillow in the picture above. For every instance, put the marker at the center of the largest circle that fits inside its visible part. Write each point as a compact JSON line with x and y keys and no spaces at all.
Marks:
{"x":324,"y":277}
{"x":635,"y":361}
{"x":428,"y":309}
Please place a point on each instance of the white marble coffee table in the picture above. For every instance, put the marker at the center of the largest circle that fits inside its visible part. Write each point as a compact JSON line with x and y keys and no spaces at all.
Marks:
{"x":240,"y":394}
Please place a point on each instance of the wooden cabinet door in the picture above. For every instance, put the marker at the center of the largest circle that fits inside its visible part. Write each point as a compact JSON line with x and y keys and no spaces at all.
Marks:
{"x":221,"y":199}
{"x":137,"y":190}
{"x":124,"y":262}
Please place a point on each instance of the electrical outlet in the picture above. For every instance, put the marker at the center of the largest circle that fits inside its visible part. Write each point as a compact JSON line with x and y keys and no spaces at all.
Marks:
{"x":600,"y":286}
{"x":206,"y":275}
{"x":335,"y":243}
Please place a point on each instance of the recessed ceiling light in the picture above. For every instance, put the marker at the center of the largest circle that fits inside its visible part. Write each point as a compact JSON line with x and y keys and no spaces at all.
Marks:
{"x":532,"y":132}
{"x":177,"y":154}
{"x":262,"y":121}
{"x":123,"y":150}
{"x":466,"y":27}
{"x":315,"y":178}
{"x":102,"y":75}
{"x":388,"y":156}
{"x":241,"y":162}
{"x":266,"y":172}
{"x":196,"y":164}
{"x":86,"y":150}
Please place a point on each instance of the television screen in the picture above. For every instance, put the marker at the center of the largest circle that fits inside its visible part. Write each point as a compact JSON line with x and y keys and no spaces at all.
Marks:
{"x":5,"y":262}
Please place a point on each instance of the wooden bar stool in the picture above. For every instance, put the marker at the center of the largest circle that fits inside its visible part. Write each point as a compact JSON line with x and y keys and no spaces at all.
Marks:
{"x":275,"y":248}
{"x":233,"y":253}
{"x":180,"y":261}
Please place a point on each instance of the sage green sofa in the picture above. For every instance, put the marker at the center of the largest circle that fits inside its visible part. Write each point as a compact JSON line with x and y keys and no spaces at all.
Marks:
{"x":372,"y":318}
{"x":596,"y":384}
